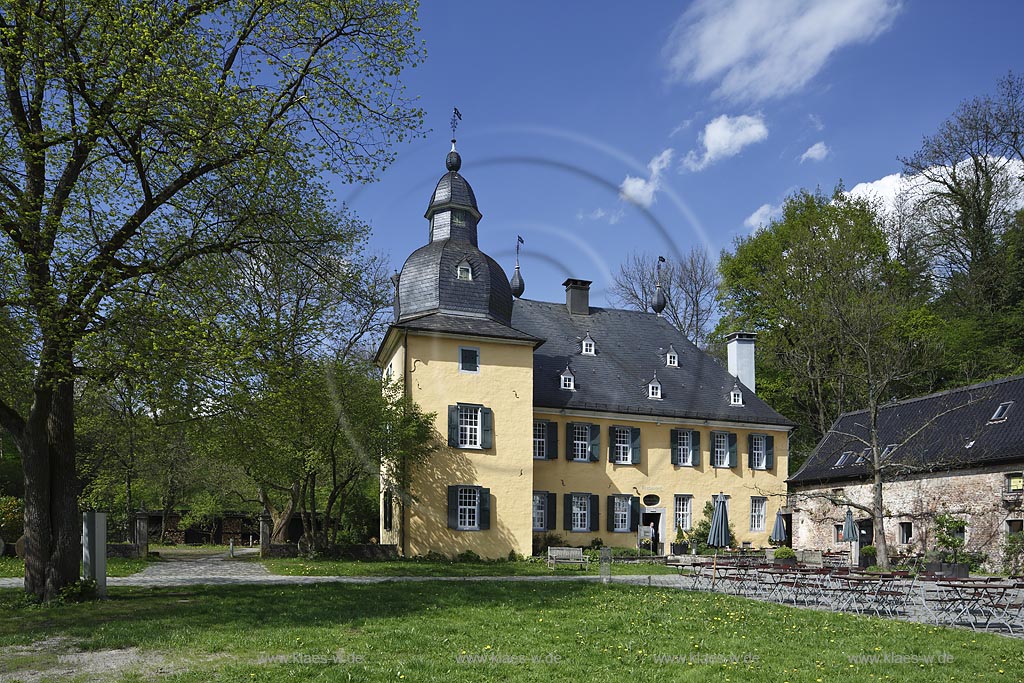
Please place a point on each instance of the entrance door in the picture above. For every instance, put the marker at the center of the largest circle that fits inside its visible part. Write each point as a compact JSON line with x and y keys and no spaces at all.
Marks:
{"x":649,"y":518}
{"x":865,"y":535}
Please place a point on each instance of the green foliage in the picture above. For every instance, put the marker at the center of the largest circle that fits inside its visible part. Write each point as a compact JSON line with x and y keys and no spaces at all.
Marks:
{"x":12,"y":518}
{"x":1013,"y":554}
{"x":869,"y":551}
{"x":948,"y":531}
{"x":83,"y":590}
{"x":784,"y":553}
{"x":700,"y":531}
{"x":542,"y":541}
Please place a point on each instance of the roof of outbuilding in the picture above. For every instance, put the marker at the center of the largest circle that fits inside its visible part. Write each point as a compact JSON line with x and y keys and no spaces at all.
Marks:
{"x":630,"y":351}
{"x":947,"y":430}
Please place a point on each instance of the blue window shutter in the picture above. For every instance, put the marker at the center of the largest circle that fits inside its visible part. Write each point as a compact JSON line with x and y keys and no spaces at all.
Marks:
{"x":570,"y":428}
{"x":552,"y":439}
{"x":695,"y":447}
{"x":750,"y":451}
{"x":453,"y":426}
{"x":486,"y":428}
{"x":453,"y":507}
{"x":769,"y":448}
{"x":732,"y":450}
{"x":484,"y":518}
{"x":567,"y":512}
{"x":674,"y":439}
{"x":634,"y":513}
{"x":549,"y":513}
{"x":611,"y":513}
{"x":634,"y":444}
{"x":595,"y":512}
{"x":595,"y":443}
{"x":611,"y":443}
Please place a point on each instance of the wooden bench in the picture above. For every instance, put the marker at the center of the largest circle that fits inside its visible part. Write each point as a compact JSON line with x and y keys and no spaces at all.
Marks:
{"x":557,"y":556}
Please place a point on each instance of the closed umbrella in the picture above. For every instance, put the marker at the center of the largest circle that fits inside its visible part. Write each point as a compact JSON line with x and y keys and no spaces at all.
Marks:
{"x":849,"y":532}
{"x":778,"y":534}
{"x":718,"y":536}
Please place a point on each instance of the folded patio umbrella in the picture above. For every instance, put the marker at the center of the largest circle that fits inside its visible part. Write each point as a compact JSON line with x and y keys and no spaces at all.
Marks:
{"x":849,"y":532}
{"x":778,"y":534}
{"x":718,"y":536}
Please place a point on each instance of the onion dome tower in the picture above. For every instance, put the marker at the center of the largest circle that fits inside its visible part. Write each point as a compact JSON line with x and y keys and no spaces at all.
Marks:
{"x":450,"y":274}
{"x":517,"y":284}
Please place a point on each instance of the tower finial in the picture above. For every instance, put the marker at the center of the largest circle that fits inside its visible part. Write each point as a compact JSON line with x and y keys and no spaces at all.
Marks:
{"x":456,"y":117}
{"x":454,"y":162}
{"x":517,"y":284}
{"x":658,"y":302}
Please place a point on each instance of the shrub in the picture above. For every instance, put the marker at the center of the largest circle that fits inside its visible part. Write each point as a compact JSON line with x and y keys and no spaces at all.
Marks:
{"x":868,"y":551}
{"x":784,"y":553}
{"x":596,"y":544}
{"x":1013,"y":554}
{"x":79,"y":591}
{"x":541,"y":542}
{"x":948,"y":530}
{"x":700,"y":532}
{"x":467,"y":556}
{"x":12,"y":518}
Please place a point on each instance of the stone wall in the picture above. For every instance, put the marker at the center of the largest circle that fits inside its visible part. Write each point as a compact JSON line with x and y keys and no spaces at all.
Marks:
{"x":975,"y":494}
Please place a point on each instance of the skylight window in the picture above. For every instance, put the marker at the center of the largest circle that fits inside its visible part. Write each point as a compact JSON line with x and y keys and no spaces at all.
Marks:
{"x":889,"y":449}
{"x":843,"y":458}
{"x":1001,"y":412}
{"x":588,"y":347}
{"x":860,"y":457}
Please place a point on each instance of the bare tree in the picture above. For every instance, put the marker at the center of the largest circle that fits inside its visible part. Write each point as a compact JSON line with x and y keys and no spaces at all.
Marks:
{"x":689,"y":285}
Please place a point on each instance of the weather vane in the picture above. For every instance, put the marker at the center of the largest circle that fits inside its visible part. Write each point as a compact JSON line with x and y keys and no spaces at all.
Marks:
{"x":519,"y":242}
{"x":661,"y":259}
{"x":456,"y":117}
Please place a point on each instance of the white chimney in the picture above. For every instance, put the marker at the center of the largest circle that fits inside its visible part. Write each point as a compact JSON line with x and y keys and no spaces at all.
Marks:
{"x":741,"y":357}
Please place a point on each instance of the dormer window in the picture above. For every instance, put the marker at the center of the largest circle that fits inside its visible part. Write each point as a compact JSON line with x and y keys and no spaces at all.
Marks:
{"x":736,"y":397}
{"x":843,"y":458}
{"x":1000,"y":413}
{"x":654,"y":389}
{"x":588,"y":347}
{"x":672,"y":358}
{"x":889,"y":449}
{"x":568,"y":380}
{"x":464,"y":271}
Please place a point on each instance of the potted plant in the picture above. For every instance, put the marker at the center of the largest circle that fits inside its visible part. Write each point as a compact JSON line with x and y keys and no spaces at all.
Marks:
{"x":681,"y":545}
{"x":949,"y":531}
{"x":867,"y":556}
{"x":784,"y":556}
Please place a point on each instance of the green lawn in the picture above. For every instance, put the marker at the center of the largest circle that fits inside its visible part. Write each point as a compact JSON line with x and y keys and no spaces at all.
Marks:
{"x":306,"y":567}
{"x":514,"y":631}
{"x":12,"y":567}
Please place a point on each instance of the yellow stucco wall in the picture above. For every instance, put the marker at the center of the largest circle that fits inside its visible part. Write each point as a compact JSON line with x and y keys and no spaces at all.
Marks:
{"x":655,"y":474}
{"x":505,"y":385}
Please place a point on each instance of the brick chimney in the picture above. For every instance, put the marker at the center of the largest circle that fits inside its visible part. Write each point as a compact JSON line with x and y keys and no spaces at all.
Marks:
{"x":741,"y":357}
{"x":577,"y":296}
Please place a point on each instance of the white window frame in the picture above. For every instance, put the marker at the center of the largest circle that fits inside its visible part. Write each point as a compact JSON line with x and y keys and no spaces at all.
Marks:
{"x":462,"y":367}
{"x":672,"y":360}
{"x":720,"y":452}
{"x":580,"y":512}
{"x":683,"y":447}
{"x":588,"y":347}
{"x":622,"y":448}
{"x":758,"y":513}
{"x":568,"y":381}
{"x":581,"y":429}
{"x":843,"y":457}
{"x":888,"y":450}
{"x":759,"y":457}
{"x":621,"y":511}
{"x":464,"y":269}
{"x":736,"y":397}
{"x":683,"y":511}
{"x":540,"y":440}
{"x":540,"y":510}
{"x":469,"y":508}
{"x":1001,"y":411}
{"x":1012,"y":477}
{"x":654,"y":390}
{"x":470,"y":426}
{"x":906,"y":538}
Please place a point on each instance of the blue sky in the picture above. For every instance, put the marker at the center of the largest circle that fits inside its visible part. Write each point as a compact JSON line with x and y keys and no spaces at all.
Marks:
{"x":594,"y":130}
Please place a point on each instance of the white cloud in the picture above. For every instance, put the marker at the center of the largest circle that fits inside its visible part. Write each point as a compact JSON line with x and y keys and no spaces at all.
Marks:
{"x":683,"y":125}
{"x":816,"y":121}
{"x":724,"y":137}
{"x":612,"y":217}
{"x":762,"y":216}
{"x":757,"y":50}
{"x":640,"y":191}
{"x":884,"y":190}
{"x":816,"y":152}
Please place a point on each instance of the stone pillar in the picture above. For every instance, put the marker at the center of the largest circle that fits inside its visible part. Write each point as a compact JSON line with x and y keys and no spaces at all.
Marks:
{"x":142,"y":533}
{"x":266,"y":530}
{"x":94,"y":549}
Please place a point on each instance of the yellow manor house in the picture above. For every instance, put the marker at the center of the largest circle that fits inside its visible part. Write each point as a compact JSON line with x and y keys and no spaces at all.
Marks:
{"x":564,"y":417}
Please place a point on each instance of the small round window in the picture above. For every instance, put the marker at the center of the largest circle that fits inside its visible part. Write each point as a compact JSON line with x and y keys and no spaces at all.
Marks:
{"x":651,"y":500}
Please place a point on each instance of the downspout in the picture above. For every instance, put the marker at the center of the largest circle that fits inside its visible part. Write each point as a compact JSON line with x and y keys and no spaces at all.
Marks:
{"x":407,"y":394}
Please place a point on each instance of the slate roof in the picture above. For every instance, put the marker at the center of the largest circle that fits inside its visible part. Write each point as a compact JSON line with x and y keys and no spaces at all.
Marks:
{"x":942,"y":431}
{"x":428,"y":283}
{"x":461,"y":324}
{"x":631,"y":347}
{"x":451,"y":190}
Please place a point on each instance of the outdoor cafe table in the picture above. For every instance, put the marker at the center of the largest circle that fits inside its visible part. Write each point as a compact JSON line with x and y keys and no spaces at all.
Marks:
{"x":862,"y":593}
{"x":978,"y":602}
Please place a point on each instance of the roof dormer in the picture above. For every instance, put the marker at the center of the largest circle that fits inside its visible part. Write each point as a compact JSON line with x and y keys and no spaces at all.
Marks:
{"x":654,"y":389}
{"x":567,"y":380}
{"x":671,"y":358}
{"x":588,"y":347}
{"x":735,"y":396}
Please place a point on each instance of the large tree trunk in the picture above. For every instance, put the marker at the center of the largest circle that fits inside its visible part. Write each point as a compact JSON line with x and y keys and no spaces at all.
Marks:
{"x":878,"y":519}
{"x":53,"y":527}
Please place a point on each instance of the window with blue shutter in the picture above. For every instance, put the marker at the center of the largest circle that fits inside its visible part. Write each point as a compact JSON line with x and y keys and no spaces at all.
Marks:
{"x":453,"y":507}
{"x":453,"y":426}
{"x":552,"y":497}
{"x":486,"y":428}
{"x":733,"y":457}
{"x":634,"y":513}
{"x":695,"y":448}
{"x":595,"y":443}
{"x":595,"y":503}
{"x":634,"y":445}
{"x":675,"y":436}
{"x":769,"y":452}
{"x":611,"y":513}
{"x":567,"y":512}
{"x":484,"y":516}
{"x":552,"y":445}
